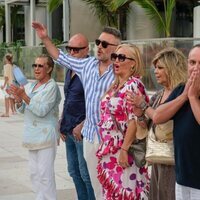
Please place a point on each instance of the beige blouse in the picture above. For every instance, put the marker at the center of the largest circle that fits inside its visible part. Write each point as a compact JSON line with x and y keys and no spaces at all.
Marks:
{"x":8,"y":72}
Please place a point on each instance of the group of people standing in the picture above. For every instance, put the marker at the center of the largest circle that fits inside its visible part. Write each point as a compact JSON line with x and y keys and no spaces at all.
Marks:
{"x":104,"y":100}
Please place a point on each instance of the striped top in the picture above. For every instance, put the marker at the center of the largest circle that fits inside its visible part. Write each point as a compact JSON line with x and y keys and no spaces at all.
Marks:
{"x":94,"y":87}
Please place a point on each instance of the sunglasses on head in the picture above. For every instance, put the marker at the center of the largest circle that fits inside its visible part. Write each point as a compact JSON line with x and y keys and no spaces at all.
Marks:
{"x":37,"y":65}
{"x":74,"y":49}
{"x":121,"y":57}
{"x":103,"y":43}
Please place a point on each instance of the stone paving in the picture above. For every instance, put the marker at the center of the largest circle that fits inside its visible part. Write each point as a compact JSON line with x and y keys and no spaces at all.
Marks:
{"x":14,"y":176}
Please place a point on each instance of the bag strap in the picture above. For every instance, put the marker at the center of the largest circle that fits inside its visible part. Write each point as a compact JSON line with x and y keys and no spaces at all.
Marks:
{"x":158,"y":99}
{"x":156,"y":102}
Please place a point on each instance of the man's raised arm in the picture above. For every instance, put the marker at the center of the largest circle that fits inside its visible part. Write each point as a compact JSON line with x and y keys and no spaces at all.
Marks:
{"x":41,"y":31}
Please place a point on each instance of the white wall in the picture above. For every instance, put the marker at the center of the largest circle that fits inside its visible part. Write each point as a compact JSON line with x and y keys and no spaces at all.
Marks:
{"x":83,"y":20}
{"x":196,"y":22}
{"x":139,"y":26}
{"x":40,"y":15}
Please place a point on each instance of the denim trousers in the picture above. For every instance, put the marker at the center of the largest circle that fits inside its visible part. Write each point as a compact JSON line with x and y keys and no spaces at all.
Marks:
{"x":77,"y":169}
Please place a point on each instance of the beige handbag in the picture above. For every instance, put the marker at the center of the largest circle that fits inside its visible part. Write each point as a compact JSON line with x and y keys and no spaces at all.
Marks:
{"x":160,"y":147}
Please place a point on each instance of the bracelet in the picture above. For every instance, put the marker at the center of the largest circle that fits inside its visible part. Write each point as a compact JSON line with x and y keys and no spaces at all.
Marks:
{"x":124,"y":149}
{"x":141,"y":118}
{"x":143,"y":106}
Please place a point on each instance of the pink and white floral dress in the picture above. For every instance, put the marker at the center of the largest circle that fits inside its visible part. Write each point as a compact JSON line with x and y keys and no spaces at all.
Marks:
{"x":119,"y":183}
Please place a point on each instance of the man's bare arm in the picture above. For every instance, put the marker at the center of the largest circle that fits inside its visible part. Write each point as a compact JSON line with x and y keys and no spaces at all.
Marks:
{"x":42,"y":34}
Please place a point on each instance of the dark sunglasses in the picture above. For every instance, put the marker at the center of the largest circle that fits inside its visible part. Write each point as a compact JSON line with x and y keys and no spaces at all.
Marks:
{"x":74,"y":49}
{"x":37,"y":65}
{"x":104,"y":44}
{"x":121,"y":57}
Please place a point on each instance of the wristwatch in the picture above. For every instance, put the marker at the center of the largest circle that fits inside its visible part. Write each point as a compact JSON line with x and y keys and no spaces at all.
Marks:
{"x":141,"y":118}
{"x":144,"y":106}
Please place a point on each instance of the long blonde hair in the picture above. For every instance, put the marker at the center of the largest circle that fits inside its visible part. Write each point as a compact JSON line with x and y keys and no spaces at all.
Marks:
{"x":137,"y":71}
{"x":136,"y":55}
{"x":174,"y":63}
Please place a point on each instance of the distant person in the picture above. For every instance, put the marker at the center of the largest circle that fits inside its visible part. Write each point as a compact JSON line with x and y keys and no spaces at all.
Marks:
{"x":170,"y":69}
{"x":8,"y":80}
{"x":40,"y":107}
{"x":118,"y":174}
{"x":183,"y":106}
{"x":96,"y":75}
{"x":72,"y":120}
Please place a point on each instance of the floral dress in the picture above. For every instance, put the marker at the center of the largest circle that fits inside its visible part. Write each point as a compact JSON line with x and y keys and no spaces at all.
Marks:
{"x":131,"y":183}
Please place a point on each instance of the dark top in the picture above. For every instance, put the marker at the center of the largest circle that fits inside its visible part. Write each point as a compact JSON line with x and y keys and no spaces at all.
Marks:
{"x":187,"y":144}
{"x":74,"y":104}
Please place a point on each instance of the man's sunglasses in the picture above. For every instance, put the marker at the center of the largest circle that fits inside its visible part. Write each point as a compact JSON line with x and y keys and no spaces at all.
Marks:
{"x":103,"y":43}
{"x":121,"y":57}
{"x":74,"y":49}
{"x":37,"y":65}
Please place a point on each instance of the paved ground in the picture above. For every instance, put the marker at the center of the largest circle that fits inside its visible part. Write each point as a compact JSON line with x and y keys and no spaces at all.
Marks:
{"x":14,"y":176}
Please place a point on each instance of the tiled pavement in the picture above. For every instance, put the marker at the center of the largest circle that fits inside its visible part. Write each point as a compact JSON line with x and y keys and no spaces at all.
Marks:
{"x":14,"y":177}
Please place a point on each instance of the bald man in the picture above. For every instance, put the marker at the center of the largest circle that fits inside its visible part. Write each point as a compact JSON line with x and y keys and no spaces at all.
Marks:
{"x":72,"y":122}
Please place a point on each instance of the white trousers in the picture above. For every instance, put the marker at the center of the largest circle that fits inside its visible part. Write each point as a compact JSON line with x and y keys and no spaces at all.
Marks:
{"x":187,"y":193}
{"x":90,"y":150}
{"x":41,"y":164}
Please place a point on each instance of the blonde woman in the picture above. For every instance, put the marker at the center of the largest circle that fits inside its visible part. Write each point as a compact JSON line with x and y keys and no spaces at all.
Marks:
{"x":118,"y":174}
{"x":8,"y":80}
{"x":170,"y":70}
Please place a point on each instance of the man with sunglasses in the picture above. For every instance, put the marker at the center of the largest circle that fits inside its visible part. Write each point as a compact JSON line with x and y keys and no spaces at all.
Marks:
{"x":72,"y":121}
{"x":96,"y":75}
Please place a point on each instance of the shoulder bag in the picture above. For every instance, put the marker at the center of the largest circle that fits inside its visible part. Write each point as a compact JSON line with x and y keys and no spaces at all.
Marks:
{"x":138,"y":147}
{"x":160,"y":147}
{"x":161,"y":151}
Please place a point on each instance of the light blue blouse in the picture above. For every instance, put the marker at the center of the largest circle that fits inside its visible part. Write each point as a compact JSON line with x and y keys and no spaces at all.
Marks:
{"x":41,"y":116}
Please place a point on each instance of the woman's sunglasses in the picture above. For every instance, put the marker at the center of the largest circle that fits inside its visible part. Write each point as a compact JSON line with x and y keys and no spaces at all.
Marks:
{"x":74,"y":49}
{"x":103,"y":43}
{"x":37,"y":65}
{"x":121,"y":57}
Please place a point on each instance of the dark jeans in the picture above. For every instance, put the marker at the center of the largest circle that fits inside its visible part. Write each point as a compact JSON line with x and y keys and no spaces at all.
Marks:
{"x":78,"y":170}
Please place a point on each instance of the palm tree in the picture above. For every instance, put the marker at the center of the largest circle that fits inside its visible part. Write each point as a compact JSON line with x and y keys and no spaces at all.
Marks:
{"x":101,"y":9}
{"x":54,"y":4}
{"x":163,"y":23}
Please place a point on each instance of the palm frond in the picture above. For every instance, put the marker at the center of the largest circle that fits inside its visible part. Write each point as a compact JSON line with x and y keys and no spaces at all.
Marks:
{"x":53,"y":4}
{"x":152,"y":11}
{"x":117,"y":4}
{"x":102,"y":10}
{"x":169,"y":11}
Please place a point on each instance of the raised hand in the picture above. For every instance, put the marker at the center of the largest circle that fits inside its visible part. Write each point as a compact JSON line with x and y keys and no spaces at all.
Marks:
{"x":40,"y":29}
